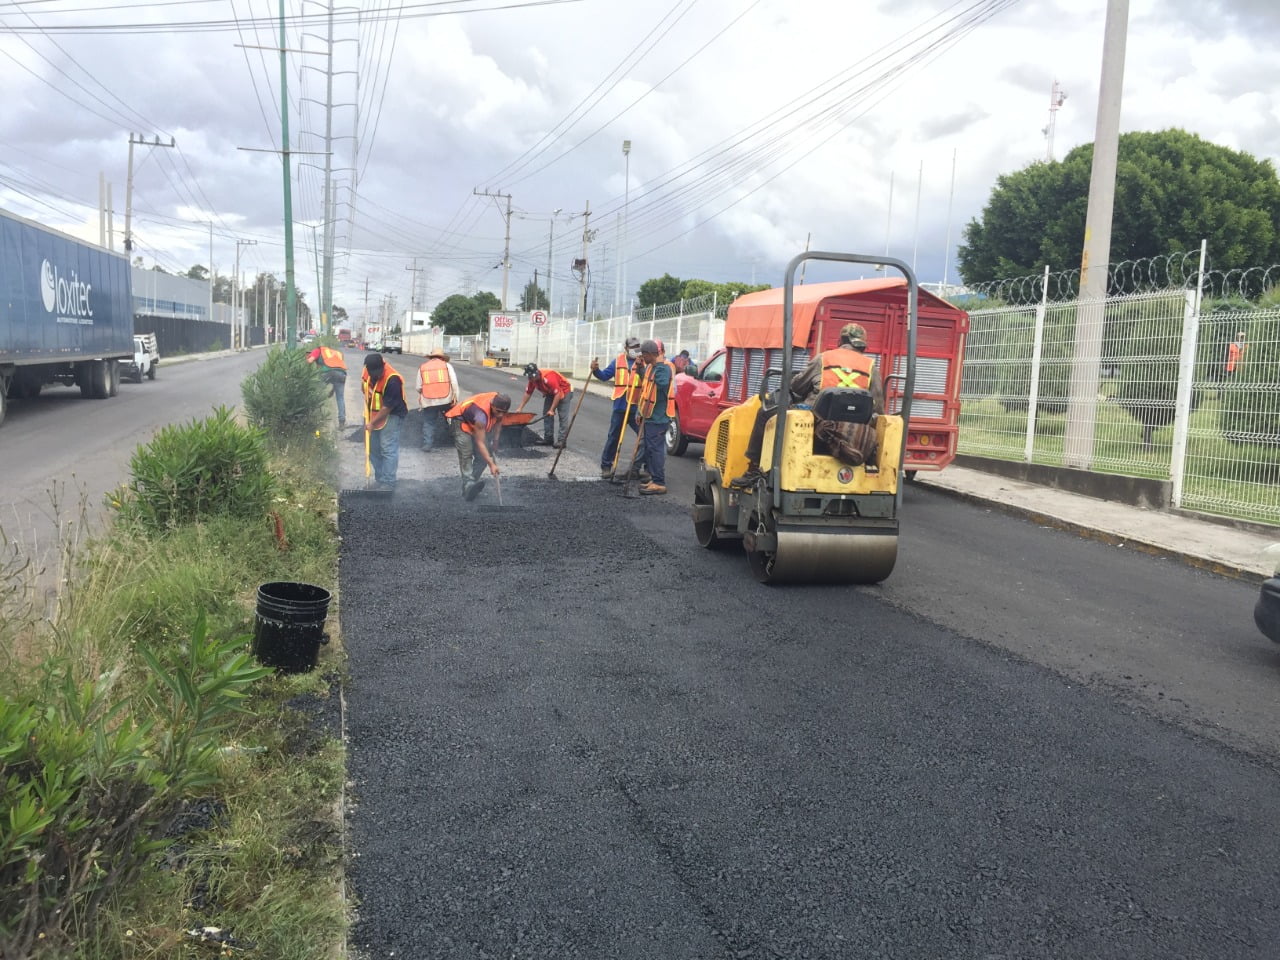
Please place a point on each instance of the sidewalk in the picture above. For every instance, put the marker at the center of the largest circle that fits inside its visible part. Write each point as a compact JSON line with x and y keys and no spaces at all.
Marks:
{"x":1220,"y":548}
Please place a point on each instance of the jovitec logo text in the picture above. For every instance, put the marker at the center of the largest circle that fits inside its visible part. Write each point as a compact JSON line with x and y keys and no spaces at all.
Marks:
{"x":67,"y":298}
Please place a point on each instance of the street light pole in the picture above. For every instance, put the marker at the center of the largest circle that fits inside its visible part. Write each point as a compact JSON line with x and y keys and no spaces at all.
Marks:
{"x":626,"y":209}
{"x":239,"y":317}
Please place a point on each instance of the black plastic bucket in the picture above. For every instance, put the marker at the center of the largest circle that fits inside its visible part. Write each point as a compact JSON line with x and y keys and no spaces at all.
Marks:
{"x":288,"y":628}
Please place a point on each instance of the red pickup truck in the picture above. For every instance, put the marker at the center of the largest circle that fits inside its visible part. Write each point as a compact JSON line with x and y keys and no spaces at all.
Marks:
{"x":753,"y":343}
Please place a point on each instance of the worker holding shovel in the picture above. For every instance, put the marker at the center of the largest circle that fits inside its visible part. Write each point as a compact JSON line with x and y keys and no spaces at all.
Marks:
{"x":620,"y":372}
{"x":657,"y":407}
{"x":477,"y":428}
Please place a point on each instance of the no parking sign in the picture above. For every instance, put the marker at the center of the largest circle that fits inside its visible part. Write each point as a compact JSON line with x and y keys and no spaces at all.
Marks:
{"x":538,"y":318}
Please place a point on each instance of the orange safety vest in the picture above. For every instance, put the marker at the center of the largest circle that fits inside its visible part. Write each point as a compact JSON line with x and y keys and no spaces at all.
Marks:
{"x":374,"y":415}
{"x":481,"y":400}
{"x":621,"y":376}
{"x":650,"y":393}
{"x":435,"y":380}
{"x":332,"y":358}
{"x":1235,"y":355}
{"x":844,"y":367}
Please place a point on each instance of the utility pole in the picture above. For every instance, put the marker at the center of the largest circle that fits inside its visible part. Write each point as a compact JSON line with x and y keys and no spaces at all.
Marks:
{"x":551,"y":235}
{"x":1082,"y":396}
{"x":506,"y":249}
{"x":366,"y":307}
{"x":102,"y":208}
{"x":238,"y":297}
{"x":413,"y":289}
{"x":580,"y":266}
{"x":626,"y":223}
{"x":128,"y":188}
{"x":326,"y":283}
{"x":290,"y":293}
{"x":1057,"y":96}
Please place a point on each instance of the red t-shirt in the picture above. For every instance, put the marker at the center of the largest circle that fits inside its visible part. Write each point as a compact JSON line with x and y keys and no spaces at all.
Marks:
{"x":550,"y":383}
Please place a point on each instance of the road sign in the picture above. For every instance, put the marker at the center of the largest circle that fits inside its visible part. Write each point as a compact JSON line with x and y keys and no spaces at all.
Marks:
{"x":538,"y":318}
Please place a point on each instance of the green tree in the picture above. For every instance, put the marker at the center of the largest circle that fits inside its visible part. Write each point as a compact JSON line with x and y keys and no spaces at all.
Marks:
{"x":534,"y":298}
{"x":659,"y":290}
{"x":461,"y":315}
{"x":725,"y":292}
{"x":197,"y":272}
{"x":339,"y":315}
{"x":1172,"y":189}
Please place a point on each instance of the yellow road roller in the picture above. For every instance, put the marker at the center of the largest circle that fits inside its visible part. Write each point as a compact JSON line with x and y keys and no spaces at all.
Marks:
{"x":807,"y":517}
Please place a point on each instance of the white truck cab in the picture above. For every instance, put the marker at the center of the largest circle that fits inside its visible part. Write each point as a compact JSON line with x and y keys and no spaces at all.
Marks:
{"x":146,"y":358}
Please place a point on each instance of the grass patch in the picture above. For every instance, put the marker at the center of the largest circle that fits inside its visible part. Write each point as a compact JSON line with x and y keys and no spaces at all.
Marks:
{"x":142,"y":692}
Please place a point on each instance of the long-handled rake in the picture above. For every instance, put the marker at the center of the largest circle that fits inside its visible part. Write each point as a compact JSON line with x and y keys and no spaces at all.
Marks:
{"x":564,"y":441}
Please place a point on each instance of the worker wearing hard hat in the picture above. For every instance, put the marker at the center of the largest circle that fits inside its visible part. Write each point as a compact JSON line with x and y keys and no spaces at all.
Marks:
{"x":477,"y":429}
{"x":437,"y":392}
{"x":555,"y":390}
{"x":846,"y":366}
{"x":620,"y":371}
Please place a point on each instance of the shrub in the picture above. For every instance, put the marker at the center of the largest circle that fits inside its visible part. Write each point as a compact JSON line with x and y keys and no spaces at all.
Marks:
{"x":196,"y":470}
{"x":90,"y":779}
{"x":286,"y":395}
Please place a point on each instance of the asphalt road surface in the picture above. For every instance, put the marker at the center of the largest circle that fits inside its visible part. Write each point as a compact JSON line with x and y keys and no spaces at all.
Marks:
{"x":574,"y":733}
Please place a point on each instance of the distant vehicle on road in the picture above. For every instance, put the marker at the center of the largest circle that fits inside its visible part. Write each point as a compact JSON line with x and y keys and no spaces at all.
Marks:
{"x":66,"y":314}
{"x":146,"y":358}
{"x":392,"y":343}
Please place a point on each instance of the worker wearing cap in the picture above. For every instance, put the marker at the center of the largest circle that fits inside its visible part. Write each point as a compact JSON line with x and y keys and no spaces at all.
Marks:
{"x":621,"y":371}
{"x":847,"y":366}
{"x":555,"y":391}
{"x":384,"y":413}
{"x":656,"y":408}
{"x":335,"y":374}
{"x":477,"y":428}
{"x":437,"y":392}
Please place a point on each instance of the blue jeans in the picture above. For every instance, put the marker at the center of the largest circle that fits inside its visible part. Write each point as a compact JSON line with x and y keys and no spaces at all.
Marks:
{"x":340,"y":395}
{"x":384,"y":451}
{"x":655,"y":451}
{"x":432,"y":422}
{"x":614,"y":438}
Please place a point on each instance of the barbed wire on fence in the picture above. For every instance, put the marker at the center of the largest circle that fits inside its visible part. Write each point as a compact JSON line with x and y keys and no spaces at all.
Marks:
{"x":1173,"y":271}
{"x":665,"y":311}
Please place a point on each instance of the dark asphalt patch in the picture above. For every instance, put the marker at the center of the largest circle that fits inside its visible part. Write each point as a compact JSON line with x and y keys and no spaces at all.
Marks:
{"x":573,"y":733}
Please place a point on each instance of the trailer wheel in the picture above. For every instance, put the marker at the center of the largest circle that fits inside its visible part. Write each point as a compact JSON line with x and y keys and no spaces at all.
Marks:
{"x":93,"y":384}
{"x":113,"y":378}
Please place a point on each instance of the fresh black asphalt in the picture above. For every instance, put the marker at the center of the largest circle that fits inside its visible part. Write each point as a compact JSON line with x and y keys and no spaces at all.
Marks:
{"x":574,"y":733}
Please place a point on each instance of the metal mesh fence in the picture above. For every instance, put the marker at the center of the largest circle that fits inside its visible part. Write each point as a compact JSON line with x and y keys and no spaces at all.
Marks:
{"x":1233,"y":438}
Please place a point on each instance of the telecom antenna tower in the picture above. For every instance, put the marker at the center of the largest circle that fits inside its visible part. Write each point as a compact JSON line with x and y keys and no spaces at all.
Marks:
{"x":1057,"y":96}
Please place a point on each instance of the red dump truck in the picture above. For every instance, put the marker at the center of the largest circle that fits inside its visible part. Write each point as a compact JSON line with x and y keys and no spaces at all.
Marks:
{"x":753,"y":343}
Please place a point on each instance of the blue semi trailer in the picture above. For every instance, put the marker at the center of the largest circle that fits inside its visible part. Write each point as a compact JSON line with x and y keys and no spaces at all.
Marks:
{"x":66,"y":312}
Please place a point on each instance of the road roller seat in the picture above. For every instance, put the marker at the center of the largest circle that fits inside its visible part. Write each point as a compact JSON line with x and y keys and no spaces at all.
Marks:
{"x":845,"y":405}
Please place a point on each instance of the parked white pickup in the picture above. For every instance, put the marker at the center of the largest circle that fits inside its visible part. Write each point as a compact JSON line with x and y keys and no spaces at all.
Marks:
{"x":146,"y":358}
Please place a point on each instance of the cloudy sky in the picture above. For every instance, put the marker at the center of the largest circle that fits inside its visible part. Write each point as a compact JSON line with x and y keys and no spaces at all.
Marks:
{"x":754,"y":125}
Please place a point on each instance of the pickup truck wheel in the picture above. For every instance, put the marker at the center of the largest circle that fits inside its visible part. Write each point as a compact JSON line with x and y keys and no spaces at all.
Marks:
{"x":4,"y":400}
{"x":151,"y":372}
{"x":677,"y":442}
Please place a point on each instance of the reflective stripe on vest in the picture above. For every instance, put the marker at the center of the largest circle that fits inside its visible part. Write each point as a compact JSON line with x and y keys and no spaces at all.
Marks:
{"x":373,"y":391}
{"x":650,"y":395}
{"x":621,"y":376}
{"x":481,"y":400}
{"x":435,"y":380}
{"x":843,"y":367}
{"x":332,"y":358}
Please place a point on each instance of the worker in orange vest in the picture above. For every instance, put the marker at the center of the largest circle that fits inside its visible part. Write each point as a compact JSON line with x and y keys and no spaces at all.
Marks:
{"x":846,"y":366}
{"x":619,"y":371}
{"x":384,"y":413}
{"x":1235,"y":352}
{"x":437,"y":392}
{"x":477,"y":429}
{"x":335,"y":374}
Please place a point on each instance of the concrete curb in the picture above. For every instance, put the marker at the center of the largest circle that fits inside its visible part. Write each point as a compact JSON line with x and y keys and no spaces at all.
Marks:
{"x":1220,"y":568}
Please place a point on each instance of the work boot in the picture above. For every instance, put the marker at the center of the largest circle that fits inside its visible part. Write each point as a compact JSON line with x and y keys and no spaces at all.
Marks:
{"x":644,"y":476}
{"x":606,"y":473}
{"x":748,"y":479}
{"x":650,"y":489}
{"x":473,"y":489}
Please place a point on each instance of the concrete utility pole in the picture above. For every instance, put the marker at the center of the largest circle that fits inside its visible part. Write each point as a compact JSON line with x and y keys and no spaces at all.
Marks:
{"x":580,"y":266}
{"x":326,"y":282}
{"x":506,"y":249}
{"x":413,"y":287}
{"x":551,"y":235}
{"x":626,"y":223}
{"x":366,"y":307}
{"x":238,"y":295}
{"x":128,"y":188}
{"x":102,"y":208}
{"x":1082,"y":396}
